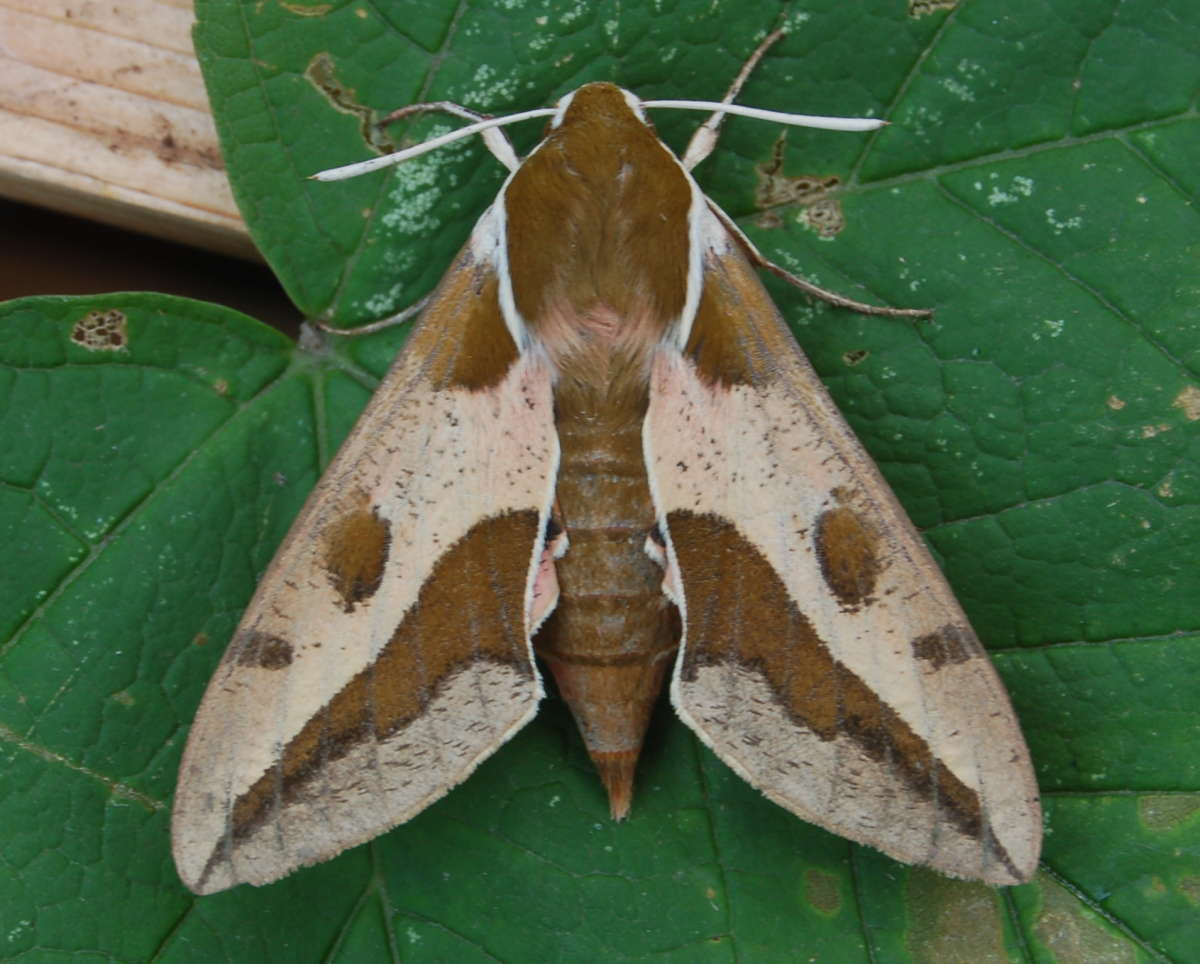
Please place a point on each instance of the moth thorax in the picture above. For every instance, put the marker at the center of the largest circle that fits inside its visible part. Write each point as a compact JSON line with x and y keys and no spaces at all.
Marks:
{"x":597,"y":218}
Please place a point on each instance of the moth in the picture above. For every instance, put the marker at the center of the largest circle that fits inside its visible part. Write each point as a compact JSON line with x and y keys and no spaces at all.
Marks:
{"x":602,"y":446}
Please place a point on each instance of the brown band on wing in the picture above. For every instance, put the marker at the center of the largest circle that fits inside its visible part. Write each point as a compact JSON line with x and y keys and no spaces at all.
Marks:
{"x":741,"y":354}
{"x":738,"y":611}
{"x":594,"y":216}
{"x":471,"y":609}
{"x":948,"y":645}
{"x":354,"y":551}
{"x":487,"y":350}
{"x":466,"y":303}
{"x":847,"y":549}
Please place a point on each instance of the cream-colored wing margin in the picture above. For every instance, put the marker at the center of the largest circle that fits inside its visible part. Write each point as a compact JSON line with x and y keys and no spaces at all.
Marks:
{"x":824,"y":657}
{"x":386,"y":651}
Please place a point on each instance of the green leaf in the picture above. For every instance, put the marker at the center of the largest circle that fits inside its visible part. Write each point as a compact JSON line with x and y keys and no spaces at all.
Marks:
{"x":1037,"y":188}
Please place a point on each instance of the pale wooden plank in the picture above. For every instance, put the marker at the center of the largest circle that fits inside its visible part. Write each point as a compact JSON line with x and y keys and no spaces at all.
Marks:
{"x":103,"y":113}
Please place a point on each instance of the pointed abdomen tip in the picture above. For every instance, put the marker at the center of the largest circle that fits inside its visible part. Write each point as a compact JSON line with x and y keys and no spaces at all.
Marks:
{"x":616,"y":773}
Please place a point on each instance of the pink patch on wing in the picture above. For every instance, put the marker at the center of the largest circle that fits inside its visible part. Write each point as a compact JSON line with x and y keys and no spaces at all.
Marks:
{"x":545,"y":583}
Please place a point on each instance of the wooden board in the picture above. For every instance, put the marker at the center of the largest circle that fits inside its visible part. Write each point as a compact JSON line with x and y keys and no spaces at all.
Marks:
{"x":103,"y":114}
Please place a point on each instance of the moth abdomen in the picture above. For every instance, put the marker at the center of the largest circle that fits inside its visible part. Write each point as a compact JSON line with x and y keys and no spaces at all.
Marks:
{"x":610,"y":639}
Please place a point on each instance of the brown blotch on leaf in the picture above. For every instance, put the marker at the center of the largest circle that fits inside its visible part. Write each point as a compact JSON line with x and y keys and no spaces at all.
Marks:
{"x":101,"y":331}
{"x":823,"y":891}
{"x":775,"y":188}
{"x":825,"y":217}
{"x":923,"y":8}
{"x":739,"y":612}
{"x":321,"y":72}
{"x":948,"y":645}
{"x":264,"y":650}
{"x":355,"y":552}
{"x":848,"y":552}
{"x":768,"y":220}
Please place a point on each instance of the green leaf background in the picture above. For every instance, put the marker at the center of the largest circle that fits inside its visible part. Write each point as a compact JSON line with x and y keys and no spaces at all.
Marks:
{"x":1037,"y":188}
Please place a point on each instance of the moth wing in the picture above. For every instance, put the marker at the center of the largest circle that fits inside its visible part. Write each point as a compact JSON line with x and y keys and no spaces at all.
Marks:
{"x":824,"y":657}
{"x":386,"y":651}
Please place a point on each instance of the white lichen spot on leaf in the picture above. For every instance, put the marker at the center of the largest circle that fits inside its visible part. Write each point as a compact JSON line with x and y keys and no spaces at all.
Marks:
{"x":490,"y":86}
{"x":416,"y":191}
{"x":569,"y":16}
{"x":1018,"y":187}
{"x":958,"y":89}
{"x":1054,"y":328}
{"x":921,"y":122}
{"x":384,"y":302}
{"x":1060,"y":224}
{"x":795,"y":21}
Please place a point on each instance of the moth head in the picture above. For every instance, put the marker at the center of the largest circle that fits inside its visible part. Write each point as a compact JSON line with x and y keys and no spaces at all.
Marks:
{"x":595,"y":96}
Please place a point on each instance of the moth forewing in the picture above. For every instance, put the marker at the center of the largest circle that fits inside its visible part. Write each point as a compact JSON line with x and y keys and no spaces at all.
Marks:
{"x":601,"y":431}
{"x":386,"y":651}
{"x":823,"y":657}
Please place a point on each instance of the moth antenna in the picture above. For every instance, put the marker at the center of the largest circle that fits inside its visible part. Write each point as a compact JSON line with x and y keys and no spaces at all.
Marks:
{"x":387,"y":160}
{"x":705,"y":139}
{"x":775,"y":116}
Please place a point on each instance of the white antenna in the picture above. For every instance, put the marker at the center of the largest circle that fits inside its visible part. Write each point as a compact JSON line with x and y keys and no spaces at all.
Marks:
{"x":387,"y":160}
{"x":481,"y":127}
{"x":779,"y":117}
